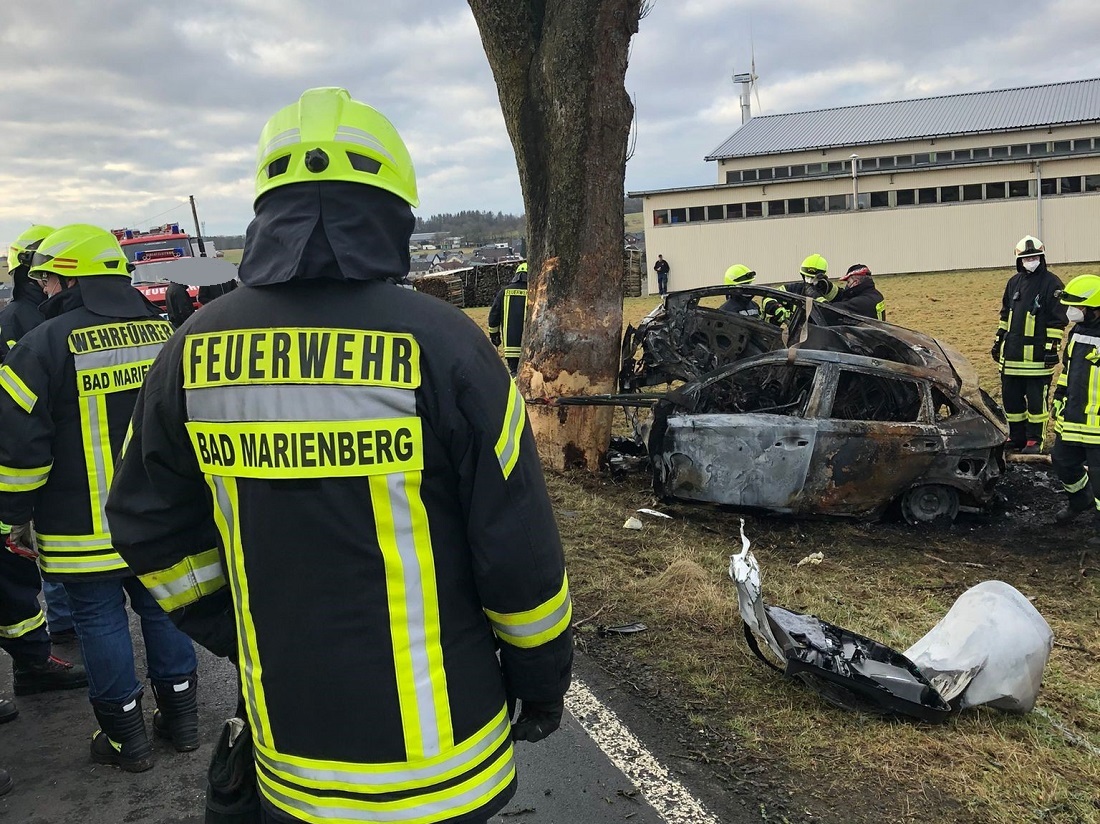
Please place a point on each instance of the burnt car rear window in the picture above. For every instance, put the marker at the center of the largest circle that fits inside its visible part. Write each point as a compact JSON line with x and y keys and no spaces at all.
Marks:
{"x":864,"y":397}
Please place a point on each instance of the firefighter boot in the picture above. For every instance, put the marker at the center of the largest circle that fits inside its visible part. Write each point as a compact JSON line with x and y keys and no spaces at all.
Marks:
{"x":177,"y":715}
{"x":121,"y":739}
{"x":48,"y":674}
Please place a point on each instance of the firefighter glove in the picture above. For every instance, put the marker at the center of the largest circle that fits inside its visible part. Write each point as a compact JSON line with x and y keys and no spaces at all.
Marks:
{"x":781,"y":314}
{"x":19,"y":540}
{"x":537,"y":719}
{"x":995,"y":352}
{"x":1050,"y":357}
{"x":494,"y":338}
{"x":1059,"y":408}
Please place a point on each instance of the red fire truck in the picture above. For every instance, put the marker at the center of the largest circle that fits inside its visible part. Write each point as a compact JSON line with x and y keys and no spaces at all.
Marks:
{"x":157,"y":245}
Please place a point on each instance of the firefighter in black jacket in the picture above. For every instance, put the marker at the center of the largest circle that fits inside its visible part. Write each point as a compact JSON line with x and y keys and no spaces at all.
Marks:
{"x":1028,"y":339}
{"x":859,"y":296}
{"x":738,"y":304}
{"x":506,"y":317}
{"x":69,"y":389}
{"x":384,"y":420}
{"x":815,"y":283}
{"x":1077,"y":400}
{"x":23,"y":633}
{"x":22,"y":314}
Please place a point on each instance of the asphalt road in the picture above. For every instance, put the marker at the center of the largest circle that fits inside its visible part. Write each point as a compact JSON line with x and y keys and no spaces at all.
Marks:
{"x":565,"y":779}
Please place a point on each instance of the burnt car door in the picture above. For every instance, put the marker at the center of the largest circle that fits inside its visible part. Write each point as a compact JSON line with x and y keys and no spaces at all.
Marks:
{"x":875,"y":438}
{"x":746,"y":443}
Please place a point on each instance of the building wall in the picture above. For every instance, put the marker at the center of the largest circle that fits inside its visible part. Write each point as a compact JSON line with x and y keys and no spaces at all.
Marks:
{"x":942,"y":237}
{"x":893,"y":239}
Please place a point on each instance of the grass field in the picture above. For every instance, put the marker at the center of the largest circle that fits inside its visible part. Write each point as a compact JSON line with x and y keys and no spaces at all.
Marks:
{"x":887,"y":581}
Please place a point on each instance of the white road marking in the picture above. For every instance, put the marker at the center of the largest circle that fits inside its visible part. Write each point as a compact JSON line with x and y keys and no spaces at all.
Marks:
{"x":665,"y":794}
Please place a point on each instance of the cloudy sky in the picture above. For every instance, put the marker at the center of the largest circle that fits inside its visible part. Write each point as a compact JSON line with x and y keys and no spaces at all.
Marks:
{"x":113,"y":111}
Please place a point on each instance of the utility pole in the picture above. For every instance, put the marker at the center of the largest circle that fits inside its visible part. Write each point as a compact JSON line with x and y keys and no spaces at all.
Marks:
{"x":198,"y":228}
{"x":1039,"y":198}
{"x":855,"y":181}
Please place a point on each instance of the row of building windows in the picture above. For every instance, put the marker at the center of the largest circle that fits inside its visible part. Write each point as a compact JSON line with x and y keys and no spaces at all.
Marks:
{"x":879,"y":200}
{"x":922,"y":160}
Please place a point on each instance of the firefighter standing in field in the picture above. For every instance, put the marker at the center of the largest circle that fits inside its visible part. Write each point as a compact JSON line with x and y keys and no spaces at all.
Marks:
{"x":69,"y":389}
{"x":815,"y":283}
{"x":507,"y":315}
{"x":1026,"y":349}
{"x":1077,"y":400}
{"x":382,"y":417}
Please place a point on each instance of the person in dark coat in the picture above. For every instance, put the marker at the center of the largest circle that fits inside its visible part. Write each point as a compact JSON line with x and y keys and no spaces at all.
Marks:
{"x":178,"y":304}
{"x":739,"y":304}
{"x":380,"y":658}
{"x":507,"y":316}
{"x":1029,"y":337}
{"x":208,"y":294}
{"x":21,"y":314}
{"x":860,"y":296}
{"x":661,"y":267}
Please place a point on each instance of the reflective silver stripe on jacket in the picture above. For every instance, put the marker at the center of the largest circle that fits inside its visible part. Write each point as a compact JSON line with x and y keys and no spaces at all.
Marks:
{"x":482,"y":791}
{"x":299,"y":403}
{"x":534,"y":627}
{"x":108,"y":358}
{"x":383,"y":781}
{"x":187,"y":582}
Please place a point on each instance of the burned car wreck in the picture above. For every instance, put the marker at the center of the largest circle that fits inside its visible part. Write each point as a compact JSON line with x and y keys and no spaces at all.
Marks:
{"x":830,"y":414}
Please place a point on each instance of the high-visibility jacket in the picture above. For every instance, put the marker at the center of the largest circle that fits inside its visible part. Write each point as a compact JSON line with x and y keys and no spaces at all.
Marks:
{"x":1077,"y":392}
{"x":335,"y":481}
{"x":822,"y":290}
{"x":67,"y":391}
{"x":507,"y":315}
{"x":1032,"y":323}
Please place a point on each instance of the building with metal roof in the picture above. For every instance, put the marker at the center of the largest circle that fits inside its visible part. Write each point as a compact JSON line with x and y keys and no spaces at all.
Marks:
{"x":937,"y":183}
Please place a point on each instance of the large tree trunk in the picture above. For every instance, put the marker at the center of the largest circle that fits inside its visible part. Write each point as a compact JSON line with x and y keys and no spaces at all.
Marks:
{"x":560,"y":67}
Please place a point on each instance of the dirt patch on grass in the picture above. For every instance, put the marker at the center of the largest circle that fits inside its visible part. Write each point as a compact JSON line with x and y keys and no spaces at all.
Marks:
{"x":887,"y":581}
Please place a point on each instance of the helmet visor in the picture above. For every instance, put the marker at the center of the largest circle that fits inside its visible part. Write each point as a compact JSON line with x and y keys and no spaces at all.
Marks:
{"x":810,"y":272}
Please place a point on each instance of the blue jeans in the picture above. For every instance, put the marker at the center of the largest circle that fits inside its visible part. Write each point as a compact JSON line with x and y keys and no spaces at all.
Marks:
{"x":59,"y":615}
{"x":99,"y":611}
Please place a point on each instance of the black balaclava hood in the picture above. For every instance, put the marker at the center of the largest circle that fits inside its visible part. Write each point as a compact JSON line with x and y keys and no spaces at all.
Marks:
{"x":25,"y":287}
{"x":112,"y":296}
{"x":329,"y":229}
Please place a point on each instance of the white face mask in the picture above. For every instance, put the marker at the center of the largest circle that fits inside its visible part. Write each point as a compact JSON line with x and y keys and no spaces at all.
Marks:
{"x":1075,"y":314}
{"x":1031,"y":264}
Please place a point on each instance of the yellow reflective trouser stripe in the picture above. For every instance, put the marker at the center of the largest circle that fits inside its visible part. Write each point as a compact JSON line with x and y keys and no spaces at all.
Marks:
{"x":401,"y":523}
{"x":186,"y":582}
{"x":473,"y":753}
{"x":19,"y":391}
{"x":227,"y":519}
{"x":74,"y":554}
{"x":535,"y":626}
{"x":1016,"y":417}
{"x":507,"y":445}
{"x":13,"y":479}
{"x":1077,"y":486}
{"x":23,"y":627}
{"x":441,"y":805}
{"x":1003,"y":325}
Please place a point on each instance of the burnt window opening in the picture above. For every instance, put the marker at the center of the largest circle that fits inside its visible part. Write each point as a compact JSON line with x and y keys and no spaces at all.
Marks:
{"x":863,"y":397}
{"x":362,"y":163}
{"x":775,"y":389}
{"x":942,"y":406}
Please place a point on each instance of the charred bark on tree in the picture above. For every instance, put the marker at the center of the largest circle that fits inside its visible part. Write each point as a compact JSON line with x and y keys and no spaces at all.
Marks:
{"x":560,"y":67}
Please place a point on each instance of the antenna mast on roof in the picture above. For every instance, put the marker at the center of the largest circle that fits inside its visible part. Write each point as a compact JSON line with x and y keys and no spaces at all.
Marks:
{"x":748,"y":85}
